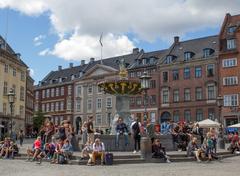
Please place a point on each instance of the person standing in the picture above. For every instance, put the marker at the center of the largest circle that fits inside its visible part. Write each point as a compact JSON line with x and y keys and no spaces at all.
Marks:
{"x":121,"y":129}
{"x":136,"y":125}
{"x":84,"y":133}
{"x":150,"y":130}
{"x":21,"y":136}
{"x":90,"y":130}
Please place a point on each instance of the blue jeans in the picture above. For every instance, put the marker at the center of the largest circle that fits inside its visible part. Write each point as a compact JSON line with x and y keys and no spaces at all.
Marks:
{"x":125,"y":138}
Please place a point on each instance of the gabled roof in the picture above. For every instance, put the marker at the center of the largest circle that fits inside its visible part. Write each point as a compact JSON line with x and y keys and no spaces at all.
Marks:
{"x":195,"y":46}
{"x":3,"y":43}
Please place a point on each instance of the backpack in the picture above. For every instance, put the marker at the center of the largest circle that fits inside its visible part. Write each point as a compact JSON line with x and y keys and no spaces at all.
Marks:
{"x":135,"y":128}
{"x":62,"y":159}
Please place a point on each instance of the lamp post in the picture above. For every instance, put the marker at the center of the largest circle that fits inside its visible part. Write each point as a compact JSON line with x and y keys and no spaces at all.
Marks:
{"x":146,"y":145}
{"x":221,"y":143}
{"x":11,"y":100}
{"x":109,"y":108}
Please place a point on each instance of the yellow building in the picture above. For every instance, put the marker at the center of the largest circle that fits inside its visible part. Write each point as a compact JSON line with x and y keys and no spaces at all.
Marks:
{"x":12,"y":75}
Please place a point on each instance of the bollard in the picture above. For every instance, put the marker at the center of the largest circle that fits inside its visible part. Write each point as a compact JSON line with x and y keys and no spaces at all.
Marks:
{"x":221,"y":143}
{"x":146,"y":148}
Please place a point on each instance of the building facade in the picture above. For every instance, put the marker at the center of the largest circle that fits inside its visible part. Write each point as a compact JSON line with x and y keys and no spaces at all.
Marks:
{"x":229,"y":66}
{"x":13,"y":73}
{"x":29,"y":104}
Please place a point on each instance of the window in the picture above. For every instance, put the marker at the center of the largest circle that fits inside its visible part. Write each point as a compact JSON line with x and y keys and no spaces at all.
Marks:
{"x":37,"y":95}
{"x":228,"y":81}
{"x":99,"y":103}
{"x":139,"y":101}
{"x":186,"y":73}
{"x":231,"y":44}
{"x":78,"y":105}
{"x":62,"y":105}
{"x":176,"y":116}
{"x":22,"y":93}
{"x":132,"y":101}
{"x":198,"y":72}
{"x":210,"y":70}
{"x":14,"y":72}
{"x":21,"y":111}
{"x":139,"y":73}
{"x":169,"y":59}
{"x":69,"y":90}
{"x":69,"y":104}
{"x":90,"y":89}
{"x":98,"y":119}
{"x":43,"y":108}
{"x":152,"y":99}
{"x":43,"y":93}
{"x":47,"y":93}
{"x":62,"y":91}
{"x":6,"y":68}
{"x":89,"y":104}
{"x":211,"y":113}
{"x":52,"y":92}
{"x":229,"y":62}
{"x":57,"y":91}
{"x":99,"y":89}
{"x":211,"y":92}
{"x":5,"y":88}
{"x":165,"y":96}
{"x":132,"y":74}
{"x":4,"y":109}
{"x":47,"y":107}
{"x":57,"y":106}
{"x":207,"y":52}
{"x":176,"y":95}
{"x":187,"y":94}
{"x":232,"y":29}
{"x":187,"y":115}
{"x":198,"y":93}
{"x":175,"y":75}
{"x":152,"y":84}
{"x":36,"y":107}
{"x":187,"y":56}
{"x":22,"y":76}
{"x":109,"y":102}
{"x":165,"y":76}
{"x":152,"y":117}
{"x":52,"y":107}
{"x":199,"y":115}
{"x":231,"y":100}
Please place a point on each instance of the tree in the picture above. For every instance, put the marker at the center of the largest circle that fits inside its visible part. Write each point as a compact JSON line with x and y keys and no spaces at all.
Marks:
{"x":38,"y":120}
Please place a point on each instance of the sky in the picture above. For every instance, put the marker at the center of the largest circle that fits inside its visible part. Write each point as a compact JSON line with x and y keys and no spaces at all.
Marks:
{"x":48,"y":33}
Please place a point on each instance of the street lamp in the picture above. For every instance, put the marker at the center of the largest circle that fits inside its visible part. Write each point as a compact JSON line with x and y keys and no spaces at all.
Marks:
{"x":11,"y":99}
{"x":146,"y":145}
{"x":109,"y":109}
{"x":145,"y":85}
{"x":220,"y":139}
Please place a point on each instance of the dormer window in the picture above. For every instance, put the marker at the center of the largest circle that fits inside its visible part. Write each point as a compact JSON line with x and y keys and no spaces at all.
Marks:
{"x":207,"y":52}
{"x":231,"y":29}
{"x":188,"y":55}
{"x":169,"y":59}
{"x":152,"y":60}
{"x":144,"y":61}
{"x":231,"y":44}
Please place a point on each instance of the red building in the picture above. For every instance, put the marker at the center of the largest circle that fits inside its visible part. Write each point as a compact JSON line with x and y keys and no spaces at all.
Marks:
{"x":229,"y":68}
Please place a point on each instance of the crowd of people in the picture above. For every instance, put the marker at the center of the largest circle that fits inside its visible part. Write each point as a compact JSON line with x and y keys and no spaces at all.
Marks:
{"x":8,"y":149}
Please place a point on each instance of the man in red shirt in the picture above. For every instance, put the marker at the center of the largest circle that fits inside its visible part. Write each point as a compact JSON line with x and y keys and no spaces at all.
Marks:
{"x":37,"y":148}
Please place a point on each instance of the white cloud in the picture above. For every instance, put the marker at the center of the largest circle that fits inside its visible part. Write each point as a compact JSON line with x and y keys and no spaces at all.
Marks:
{"x":31,"y":72}
{"x":44,"y":52}
{"x":38,"y":40}
{"x":146,"y":20}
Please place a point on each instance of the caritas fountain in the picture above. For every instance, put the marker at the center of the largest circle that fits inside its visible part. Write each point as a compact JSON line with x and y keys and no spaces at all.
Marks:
{"x":122,"y":88}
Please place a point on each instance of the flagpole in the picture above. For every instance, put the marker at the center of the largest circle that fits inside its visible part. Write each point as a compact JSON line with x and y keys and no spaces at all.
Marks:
{"x":100,"y":41}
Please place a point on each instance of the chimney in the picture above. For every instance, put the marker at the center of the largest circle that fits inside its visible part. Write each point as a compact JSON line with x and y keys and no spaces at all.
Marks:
{"x":176,"y":39}
{"x":59,"y":67}
{"x":39,"y":83}
{"x":135,"y":50}
{"x":92,"y":59}
{"x":70,"y":65}
{"x":82,"y":62}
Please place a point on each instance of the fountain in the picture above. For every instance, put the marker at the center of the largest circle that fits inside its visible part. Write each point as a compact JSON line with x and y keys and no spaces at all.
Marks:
{"x":122,"y":88}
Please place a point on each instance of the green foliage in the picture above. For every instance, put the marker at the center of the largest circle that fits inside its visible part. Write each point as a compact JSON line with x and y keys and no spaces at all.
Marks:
{"x":38,"y":120}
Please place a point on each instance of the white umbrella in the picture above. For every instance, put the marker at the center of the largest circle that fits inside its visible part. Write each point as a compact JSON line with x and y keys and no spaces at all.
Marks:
{"x":207,"y":123}
{"x":234,"y":126}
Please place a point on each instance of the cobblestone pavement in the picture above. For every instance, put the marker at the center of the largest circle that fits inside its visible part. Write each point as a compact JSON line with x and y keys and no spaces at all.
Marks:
{"x":228,"y":166}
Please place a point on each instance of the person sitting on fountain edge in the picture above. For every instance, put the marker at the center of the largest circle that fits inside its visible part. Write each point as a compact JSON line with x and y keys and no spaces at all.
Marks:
{"x":121,"y":129}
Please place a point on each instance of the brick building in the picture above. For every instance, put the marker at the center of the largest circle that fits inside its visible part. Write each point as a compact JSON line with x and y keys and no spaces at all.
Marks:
{"x":188,"y":80}
{"x":229,"y":68}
